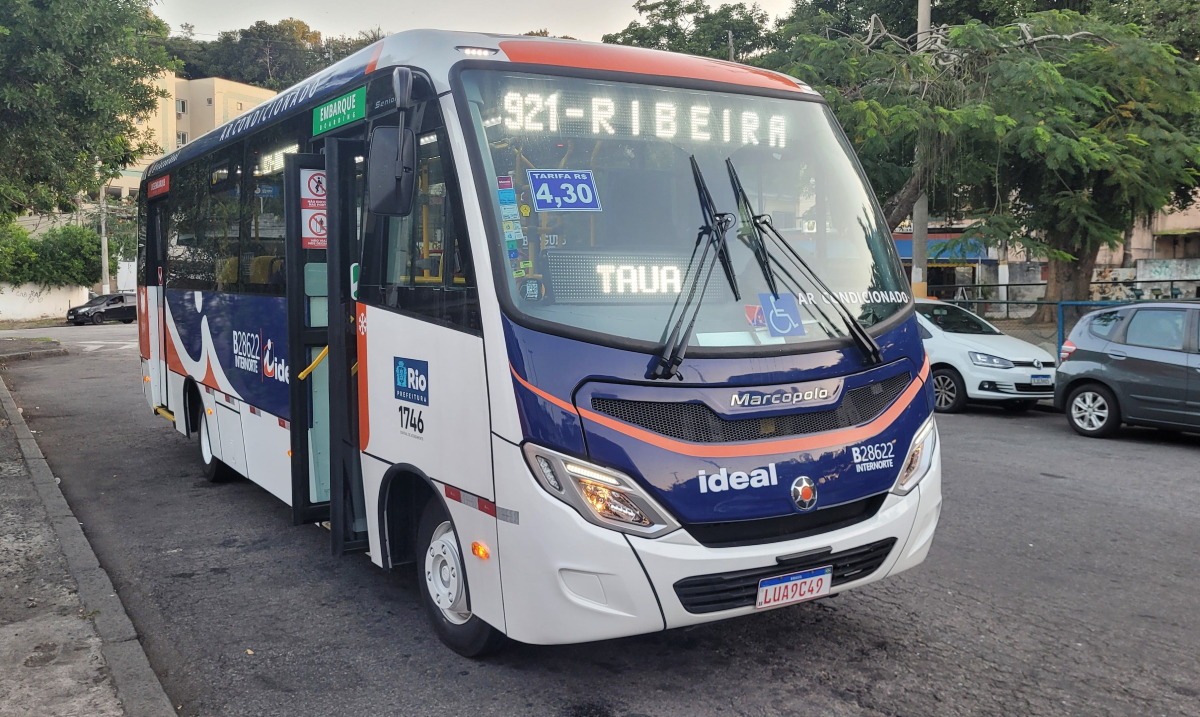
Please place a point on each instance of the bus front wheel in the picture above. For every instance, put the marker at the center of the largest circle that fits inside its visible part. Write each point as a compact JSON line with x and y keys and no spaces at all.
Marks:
{"x":442,"y":583}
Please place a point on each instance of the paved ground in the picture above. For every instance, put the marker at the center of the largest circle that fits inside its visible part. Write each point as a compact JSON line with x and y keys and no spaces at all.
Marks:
{"x":1064,"y":580}
{"x":50,"y":653}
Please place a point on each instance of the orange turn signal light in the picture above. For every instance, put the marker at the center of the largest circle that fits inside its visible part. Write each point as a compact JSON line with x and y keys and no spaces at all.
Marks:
{"x":479,"y":550}
{"x":146,"y":379}
{"x":210,"y":411}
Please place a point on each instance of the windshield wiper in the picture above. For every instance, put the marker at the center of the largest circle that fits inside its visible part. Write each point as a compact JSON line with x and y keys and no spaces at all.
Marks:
{"x":712,"y":236}
{"x":761,"y":224}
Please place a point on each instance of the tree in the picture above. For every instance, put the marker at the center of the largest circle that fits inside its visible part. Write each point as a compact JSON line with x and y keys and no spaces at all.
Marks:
{"x":1056,"y":132}
{"x":1175,"y":22}
{"x":275,"y":56}
{"x":75,"y":75}
{"x":691,"y":26}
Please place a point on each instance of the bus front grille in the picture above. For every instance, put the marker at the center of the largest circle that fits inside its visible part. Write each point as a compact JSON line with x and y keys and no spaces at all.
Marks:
{"x":697,"y":423}
{"x":726,"y":591}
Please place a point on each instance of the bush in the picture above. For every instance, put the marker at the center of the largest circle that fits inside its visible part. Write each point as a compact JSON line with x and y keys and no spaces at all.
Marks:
{"x":63,"y":256}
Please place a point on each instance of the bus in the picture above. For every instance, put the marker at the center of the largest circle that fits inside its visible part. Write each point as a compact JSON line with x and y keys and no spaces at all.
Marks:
{"x":598,"y":340}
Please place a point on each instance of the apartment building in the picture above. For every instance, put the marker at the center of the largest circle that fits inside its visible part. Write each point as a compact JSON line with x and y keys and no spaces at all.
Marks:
{"x":193,"y":108}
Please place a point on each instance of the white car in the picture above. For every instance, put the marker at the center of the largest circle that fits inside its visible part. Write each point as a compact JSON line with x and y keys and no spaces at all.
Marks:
{"x":974,"y":361}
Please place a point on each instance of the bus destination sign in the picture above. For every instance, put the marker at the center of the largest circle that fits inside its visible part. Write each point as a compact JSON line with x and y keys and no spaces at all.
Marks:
{"x":343,"y":110}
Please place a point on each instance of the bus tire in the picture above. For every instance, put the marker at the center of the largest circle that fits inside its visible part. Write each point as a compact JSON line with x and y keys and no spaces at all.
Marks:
{"x":214,"y":470}
{"x":441,"y":579}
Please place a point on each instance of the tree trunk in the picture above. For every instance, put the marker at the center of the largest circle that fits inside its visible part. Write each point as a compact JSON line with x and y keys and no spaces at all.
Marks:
{"x":899,"y":207}
{"x":1127,"y":249}
{"x":1067,"y":281}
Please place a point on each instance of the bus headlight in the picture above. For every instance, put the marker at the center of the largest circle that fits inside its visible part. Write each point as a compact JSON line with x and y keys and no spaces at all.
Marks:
{"x":603,"y":496}
{"x":920,"y":457}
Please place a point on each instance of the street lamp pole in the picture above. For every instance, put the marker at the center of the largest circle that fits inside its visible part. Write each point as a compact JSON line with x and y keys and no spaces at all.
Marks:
{"x":920,"y":212}
{"x":105,"y":280}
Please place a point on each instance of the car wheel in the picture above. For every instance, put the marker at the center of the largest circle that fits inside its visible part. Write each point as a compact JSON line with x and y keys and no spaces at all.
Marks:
{"x":949,"y":391}
{"x":214,"y":470}
{"x":98,"y":317}
{"x":126,"y":321}
{"x":442,"y":582}
{"x":1018,"y":406}
{"x":1092,"y":411}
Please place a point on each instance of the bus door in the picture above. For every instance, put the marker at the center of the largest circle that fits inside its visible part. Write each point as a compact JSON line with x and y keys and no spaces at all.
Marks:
{"x":322,"y":194}
{"x":347,"y":509}
{"x":306,"y":242}
{"x":158,"y":224}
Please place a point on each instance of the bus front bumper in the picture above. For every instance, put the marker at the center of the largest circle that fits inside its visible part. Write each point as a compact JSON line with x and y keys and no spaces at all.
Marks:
{"x":566,"y":580}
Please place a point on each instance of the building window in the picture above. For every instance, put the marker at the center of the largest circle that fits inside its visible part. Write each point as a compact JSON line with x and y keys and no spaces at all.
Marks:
{"x":210,"y":102}
{"x":181,"y":106}
{"x":181,"y":139}
{"x":239,"y":106}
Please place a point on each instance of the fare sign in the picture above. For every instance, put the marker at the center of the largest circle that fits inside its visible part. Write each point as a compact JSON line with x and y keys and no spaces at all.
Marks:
{"x":343,"y":110}
{"x":314,"y":234}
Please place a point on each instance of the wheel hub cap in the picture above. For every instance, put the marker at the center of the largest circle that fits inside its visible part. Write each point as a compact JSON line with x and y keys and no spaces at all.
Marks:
{"x":1089,"y":410}
{"x":944,"y":391}
{"x":444,"y":575}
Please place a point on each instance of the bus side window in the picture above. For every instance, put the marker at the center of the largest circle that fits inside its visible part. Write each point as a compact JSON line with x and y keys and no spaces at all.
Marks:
{"x":263,"y":243}
{"x":421,"y":263}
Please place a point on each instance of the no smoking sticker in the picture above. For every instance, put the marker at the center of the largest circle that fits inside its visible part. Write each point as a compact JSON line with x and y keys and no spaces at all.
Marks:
{"x":313,"y":229}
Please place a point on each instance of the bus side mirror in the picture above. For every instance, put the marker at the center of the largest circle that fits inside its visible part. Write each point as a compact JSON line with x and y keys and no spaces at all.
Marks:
{"x":392,"y":166}
{"x":392,"y":171}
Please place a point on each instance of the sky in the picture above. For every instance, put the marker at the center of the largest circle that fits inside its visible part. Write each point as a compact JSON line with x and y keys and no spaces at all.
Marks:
{"x":584,"y":19}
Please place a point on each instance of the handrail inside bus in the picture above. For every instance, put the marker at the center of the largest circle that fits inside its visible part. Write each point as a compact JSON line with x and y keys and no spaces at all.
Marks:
{"x":320,"y":357}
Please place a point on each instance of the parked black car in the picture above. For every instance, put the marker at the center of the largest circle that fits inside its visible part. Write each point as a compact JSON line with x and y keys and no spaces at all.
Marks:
{"x":1137,"y":364}
{"x":106,"y":307}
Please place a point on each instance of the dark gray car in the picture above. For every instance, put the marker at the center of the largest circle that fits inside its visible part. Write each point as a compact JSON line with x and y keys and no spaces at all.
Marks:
{"x":1137,"y":364}
{"x":106,"y":307}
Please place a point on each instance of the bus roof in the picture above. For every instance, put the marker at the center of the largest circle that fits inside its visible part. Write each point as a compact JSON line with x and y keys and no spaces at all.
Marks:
{"x":436,"y":51}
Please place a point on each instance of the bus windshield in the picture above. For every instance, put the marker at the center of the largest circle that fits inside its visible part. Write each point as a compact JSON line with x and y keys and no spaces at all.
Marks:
{"x":597,"y":212}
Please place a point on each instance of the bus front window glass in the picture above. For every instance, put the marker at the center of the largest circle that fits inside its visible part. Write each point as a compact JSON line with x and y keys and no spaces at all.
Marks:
{"x":596,"y":208}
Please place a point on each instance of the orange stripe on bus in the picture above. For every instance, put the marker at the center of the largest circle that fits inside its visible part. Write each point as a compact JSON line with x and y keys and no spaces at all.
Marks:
{"x":760,"y":448}
{"x":374,"y":58}
{"x":618,"y":58}
{"x":364,"y":410}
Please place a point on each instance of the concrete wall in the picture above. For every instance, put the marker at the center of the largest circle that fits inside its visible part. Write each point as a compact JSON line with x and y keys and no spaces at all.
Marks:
{"x":26,"y":302}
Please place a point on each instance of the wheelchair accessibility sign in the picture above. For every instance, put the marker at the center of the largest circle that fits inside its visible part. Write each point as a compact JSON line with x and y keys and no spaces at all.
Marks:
{"x":782,"y":315}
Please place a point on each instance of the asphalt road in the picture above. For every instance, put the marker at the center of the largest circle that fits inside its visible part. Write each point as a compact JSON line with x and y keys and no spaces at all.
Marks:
{"x":1064,"y":580}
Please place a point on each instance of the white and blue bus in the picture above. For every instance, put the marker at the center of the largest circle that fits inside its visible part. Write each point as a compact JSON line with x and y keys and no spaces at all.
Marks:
{"x":602,"y":340}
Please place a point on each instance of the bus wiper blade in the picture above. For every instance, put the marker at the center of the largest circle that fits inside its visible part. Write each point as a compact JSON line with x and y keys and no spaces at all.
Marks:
{"x":712,"y":235}
{"x":762,"y":225}
{"x":755,"y":239}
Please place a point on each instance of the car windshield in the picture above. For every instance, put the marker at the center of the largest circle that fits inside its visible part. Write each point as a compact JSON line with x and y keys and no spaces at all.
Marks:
{"x":596,"y":207}
{"x":955,"y":320}
{"x":97,"y":301}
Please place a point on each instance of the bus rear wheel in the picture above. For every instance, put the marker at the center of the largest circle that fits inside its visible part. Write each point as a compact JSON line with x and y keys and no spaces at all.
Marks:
{"x":442,"y":583}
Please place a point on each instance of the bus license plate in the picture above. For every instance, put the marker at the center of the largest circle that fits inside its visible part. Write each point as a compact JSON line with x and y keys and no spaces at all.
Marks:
{"x":797,"y":587}
{"x":1043,"y":380}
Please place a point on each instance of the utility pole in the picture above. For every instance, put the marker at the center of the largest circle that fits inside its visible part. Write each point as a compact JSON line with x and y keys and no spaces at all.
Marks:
{"x":729,"y":36}
{"x":920,"y":213}
{"x":105,"y":280}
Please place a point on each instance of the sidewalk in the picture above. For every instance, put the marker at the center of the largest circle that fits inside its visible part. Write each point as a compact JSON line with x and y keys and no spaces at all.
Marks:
{"x":66,"y":644}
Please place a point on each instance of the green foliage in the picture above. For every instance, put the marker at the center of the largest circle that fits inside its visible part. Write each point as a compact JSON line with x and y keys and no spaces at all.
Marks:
{"x":1175,"y":22}
{"x":73,"y":81}
{"x":691,"y":26}
{"x":1057,"y":131}
{"x":63,"y":256}
{"x":271,"y":55}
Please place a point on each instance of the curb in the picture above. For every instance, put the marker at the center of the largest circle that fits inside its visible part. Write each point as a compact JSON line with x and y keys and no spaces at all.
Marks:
{"x":138,"y":688}
{"x":28,"y":355}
